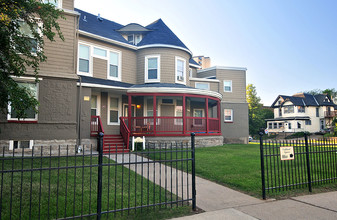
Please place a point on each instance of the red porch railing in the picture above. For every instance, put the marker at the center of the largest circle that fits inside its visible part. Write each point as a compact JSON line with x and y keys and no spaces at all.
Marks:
{"x":124,"y":130}
{"x":172,"y":126}
{"x":96,"y":126}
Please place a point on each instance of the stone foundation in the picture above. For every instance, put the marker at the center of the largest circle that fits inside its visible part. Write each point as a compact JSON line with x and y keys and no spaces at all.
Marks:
{"x":241,"y":140}
{"x":200,"y":141}
{"x":50,"y":147}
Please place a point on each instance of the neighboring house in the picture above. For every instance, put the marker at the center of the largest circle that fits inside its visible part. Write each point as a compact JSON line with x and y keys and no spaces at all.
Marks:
{"x":131,"y":81}
{"x":301,"y":112}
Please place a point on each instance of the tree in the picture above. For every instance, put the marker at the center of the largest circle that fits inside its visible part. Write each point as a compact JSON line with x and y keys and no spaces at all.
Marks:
{"x":257,"y":114}
{"x":330,"y":92}
{"x":24,"y":26}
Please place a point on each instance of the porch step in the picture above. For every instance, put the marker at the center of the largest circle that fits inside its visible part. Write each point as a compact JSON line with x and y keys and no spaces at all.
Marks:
{"x":114,"y":144}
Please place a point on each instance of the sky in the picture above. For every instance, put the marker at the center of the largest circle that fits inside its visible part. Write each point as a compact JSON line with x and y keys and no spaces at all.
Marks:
{"x":287,"y":46}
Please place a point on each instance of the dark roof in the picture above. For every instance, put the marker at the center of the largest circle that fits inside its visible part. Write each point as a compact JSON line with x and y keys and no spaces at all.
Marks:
{"x":161,"y":34}
{"x":192,"y":61}
{"x":155,"y":33}
{"x":162,"y":85}
{"x":88,"y":79}
{"x":305,"y":99}
{"x":289,"y":118}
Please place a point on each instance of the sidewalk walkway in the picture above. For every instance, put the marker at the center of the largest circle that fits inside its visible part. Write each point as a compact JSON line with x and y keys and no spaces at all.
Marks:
{"x":220,"y":202}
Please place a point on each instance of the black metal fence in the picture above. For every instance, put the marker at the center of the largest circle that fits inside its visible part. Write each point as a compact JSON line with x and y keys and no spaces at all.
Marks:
{"x":295,"y":164}
{"x":60,"y":183}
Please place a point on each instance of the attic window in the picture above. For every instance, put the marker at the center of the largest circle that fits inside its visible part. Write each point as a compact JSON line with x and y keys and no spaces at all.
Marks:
{"x":130,"y":39}
{"x":134,"y":38}
{"x":326,"y":99}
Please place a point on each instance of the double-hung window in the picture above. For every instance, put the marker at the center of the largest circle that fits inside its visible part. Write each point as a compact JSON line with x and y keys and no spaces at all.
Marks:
{"x":180,"y":70}
{"x":84,"y":59}
{"x":114,"y":109}
{"x":28,"y":35}
{"x":228,"y":115}
{"x":30,"y":114}
{"x":227,"y":85}
{"x":152,"y":68}
{"x":114,"y":65}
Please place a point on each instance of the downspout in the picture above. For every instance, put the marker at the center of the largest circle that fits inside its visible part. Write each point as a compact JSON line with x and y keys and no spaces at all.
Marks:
{"x":79,"y":109}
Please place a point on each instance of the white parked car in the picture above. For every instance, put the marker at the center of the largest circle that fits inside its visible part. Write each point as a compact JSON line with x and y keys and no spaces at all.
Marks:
{"x":250,"y":138}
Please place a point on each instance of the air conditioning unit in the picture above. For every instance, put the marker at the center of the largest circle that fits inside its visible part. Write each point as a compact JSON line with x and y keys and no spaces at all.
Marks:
{"x":180,"y":78}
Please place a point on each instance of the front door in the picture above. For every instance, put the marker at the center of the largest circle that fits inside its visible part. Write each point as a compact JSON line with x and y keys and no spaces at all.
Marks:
{"x":126,"y":110}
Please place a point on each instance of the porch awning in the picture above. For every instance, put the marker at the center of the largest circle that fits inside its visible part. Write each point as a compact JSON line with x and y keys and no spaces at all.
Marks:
{"x":88,"y":81}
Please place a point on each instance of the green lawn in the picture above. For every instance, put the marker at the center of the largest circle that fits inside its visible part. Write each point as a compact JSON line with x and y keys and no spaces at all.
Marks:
{"x":71,"y":193}
{"x":238,"y":167}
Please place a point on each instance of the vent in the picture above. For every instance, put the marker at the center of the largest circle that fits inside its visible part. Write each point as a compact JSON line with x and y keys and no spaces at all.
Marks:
{"x":99,"y":17}
{"x":180,"y":78}
{"x":85,"y":18}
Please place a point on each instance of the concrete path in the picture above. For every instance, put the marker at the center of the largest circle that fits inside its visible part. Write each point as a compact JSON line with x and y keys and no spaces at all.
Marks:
{"x":220,"y":202}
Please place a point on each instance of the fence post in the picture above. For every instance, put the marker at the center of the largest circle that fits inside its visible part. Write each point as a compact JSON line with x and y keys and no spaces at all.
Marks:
{"x":194,"y":202}
{"x":262,"y":166}
{"x":308,"y":161}
{"x":99,"y":186}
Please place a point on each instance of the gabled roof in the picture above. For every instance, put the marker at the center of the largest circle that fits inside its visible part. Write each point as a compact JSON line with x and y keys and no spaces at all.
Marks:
{"x":156,"y":33}
{"x":305,"y":99}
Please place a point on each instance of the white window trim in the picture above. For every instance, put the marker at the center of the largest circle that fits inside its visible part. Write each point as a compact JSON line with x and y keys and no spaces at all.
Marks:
{"x":119,"y":78}
{"x":9,"y":118}
{"x":126,"y":104}
{"x":119,"y":109}
{"x":147,"y":80}
{"x":184,"y":73}
{"x":90,"y":59}
{"x":98,"y":109}
{"x":11,"y":144}
{"x":224,"y":116}
{"x":190,"y":72}
{"x":107,"y":58}
{"x":202,"y":121}
{"x":208,"y":86}
{"x":224,"y":85}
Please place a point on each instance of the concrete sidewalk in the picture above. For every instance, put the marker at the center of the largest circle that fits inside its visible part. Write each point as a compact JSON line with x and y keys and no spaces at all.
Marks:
{"x":220,"y":202}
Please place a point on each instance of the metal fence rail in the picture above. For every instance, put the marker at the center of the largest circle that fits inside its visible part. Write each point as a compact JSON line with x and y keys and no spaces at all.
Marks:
{"x":314,"y":162}
{"x":60,"y":183}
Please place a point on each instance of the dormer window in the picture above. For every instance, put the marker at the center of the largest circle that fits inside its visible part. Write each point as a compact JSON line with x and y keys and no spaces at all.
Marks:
{"x":134,"y":38}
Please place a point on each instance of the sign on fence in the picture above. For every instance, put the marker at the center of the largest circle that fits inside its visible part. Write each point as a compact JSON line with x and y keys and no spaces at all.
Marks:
{"x":287,"y":153}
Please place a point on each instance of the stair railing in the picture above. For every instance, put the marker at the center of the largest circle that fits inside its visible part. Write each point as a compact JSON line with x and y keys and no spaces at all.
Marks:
{"x":96,"y":125}
{"x":125,"y":132}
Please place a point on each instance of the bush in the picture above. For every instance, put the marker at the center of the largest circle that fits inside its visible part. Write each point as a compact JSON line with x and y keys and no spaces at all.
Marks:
{"x":330,"y":135}
{"x":297,"y":135}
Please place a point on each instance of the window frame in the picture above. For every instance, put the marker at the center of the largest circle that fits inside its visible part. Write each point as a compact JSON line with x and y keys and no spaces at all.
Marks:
{"x":39,"y":26}
{"x":11,"y":144}
{"x":90,"y":71}
{"x":204,"y":83}
{"x":35,"y":119}
{"x":119,"y":109}
{"x":119,"y":67}
{"x":98,"y":103}
{"x":176,"y":70}
{"x":146,"y":75}
{"x":231,"y":86}
{"x":232,"y":115}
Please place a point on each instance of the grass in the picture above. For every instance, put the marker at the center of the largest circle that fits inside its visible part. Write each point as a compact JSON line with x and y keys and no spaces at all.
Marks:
{"x":73,"y":192}
{"x":238,"y":167}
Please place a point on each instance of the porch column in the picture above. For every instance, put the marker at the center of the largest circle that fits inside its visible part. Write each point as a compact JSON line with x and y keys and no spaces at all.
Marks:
{"x":207,"y":124}
{"x":184,"y":114}
{"x":154,"y":114}
{"x":219,"y":114}
{"x":129,"y":111}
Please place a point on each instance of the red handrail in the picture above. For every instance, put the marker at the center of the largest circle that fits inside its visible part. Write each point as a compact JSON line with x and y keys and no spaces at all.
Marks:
{"x":96,"y":126}
{"x":125,"y":132}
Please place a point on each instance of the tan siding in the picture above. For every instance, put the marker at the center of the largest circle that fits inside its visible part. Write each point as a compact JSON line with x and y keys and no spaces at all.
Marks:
{"x":68,"y":4}
{"x":214,"y":86}
{"x":128,"y":60}
{"x":99,"y":68}
{"x":60,"y":54}
{"x":238,"y":78}
{"x":167,"y":63}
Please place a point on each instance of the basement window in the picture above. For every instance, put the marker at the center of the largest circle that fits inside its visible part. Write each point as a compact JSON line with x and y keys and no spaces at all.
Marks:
{"x":28,"y":144}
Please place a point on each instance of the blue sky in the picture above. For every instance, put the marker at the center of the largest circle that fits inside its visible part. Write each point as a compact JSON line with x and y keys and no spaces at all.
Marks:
{"x":287,"y":46}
